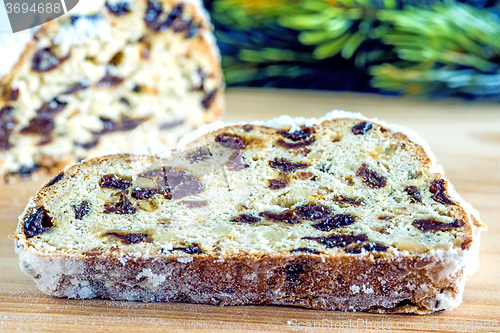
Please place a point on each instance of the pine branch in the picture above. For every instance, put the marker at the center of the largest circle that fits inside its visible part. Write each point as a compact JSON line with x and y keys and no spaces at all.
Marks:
{"x":407,"y":46}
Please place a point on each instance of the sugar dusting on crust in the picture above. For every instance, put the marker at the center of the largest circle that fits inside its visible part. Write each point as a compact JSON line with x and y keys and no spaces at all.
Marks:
{"x":50,"y":271}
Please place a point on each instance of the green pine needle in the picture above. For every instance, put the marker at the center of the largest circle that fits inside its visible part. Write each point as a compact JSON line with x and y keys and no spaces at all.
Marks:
{"x":444,"y":47}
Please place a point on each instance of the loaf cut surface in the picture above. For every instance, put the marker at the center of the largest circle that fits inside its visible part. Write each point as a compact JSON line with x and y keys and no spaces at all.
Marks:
{"x":108,"y":74}
{"x":340,"y":213}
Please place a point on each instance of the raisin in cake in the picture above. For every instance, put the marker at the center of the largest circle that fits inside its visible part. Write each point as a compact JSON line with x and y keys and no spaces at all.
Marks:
{"x":107,"y":74}
{"x":338,"y":213}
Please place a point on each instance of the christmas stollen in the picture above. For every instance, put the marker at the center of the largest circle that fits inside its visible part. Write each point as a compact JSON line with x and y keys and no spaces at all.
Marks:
{"x":340,"y":212}
{"x":107,"y":74}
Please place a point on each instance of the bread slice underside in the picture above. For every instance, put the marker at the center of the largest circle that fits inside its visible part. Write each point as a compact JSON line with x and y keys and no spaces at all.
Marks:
{"x":345,"y":214}
{"x":120,"y":75}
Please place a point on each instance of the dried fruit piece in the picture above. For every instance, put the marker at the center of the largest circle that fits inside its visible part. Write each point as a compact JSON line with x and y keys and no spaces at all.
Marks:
{"x":286,"y":166}
{"x":153,"y":13}
{"x":193,"y":249}
{"x":245,"y":218}
{"x":230,"y":141}
{"x":156,"y":19}
{"x":81,"y":210}
{"x":45,"y":60}
{"x":118,"y":8}
{"x":288,"y":216}
{"x":7,"y":123}
{"x":209,"y":98}
{"x":115,"y":182}
{"x":122,"y":206}
{"x":294,"y":145}
{"x":124,"y":101}
{"x":125,"y":124}
{"x":172,"y":19}
{"x":339,"y":240}
{"x":235,"y":162}
{"x":370,"y":177}
{"x":275,"y":184}
{"x":313,"y":211}
{"x":131,"y":238}
{"x":306,"y":250}
{"x":13,"y":94}
{"x":434,"y":225}
{"x":439,"y":194}
{"x":25,"y":171}
{"x":180,"y":25}
{"x":37,"y":223}
{"x":109,"y":126}
{"x":176,"y":183}
{"x":361,"y":128}
{"x":43,"y":123}
{"x":182,"y":184}
{"x":109,"y":80}
{"x":199,"y":155}
{"x":247,"y":128}
{"x":144,"y":193}
{"x":301,"y":134}
{"x":367,"y":247}
{"x":414,"y":193}
{"x":333,"y":222}
{"x":55,"y":180}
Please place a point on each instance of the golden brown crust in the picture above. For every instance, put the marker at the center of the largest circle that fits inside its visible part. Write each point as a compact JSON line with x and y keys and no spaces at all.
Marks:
{"x":380,"y":284}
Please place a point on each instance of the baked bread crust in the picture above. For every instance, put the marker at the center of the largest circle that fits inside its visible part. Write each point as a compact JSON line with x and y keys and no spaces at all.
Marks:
{"x":128,"y":94}
{"x":380,"y":284}
{"x":404,"y":278}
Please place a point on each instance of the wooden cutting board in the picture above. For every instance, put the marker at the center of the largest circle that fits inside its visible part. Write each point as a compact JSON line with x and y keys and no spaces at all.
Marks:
{"x":466,"y":140}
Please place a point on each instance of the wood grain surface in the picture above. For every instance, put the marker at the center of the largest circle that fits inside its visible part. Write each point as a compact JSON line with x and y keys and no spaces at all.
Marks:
{"x":466,"y":140}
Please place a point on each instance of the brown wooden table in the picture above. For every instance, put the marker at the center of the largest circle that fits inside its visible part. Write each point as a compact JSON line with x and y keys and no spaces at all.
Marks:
{"x":466,"y":140}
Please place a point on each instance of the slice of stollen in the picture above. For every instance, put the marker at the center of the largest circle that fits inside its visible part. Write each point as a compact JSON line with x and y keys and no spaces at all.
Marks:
{"x":337,"y":213}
